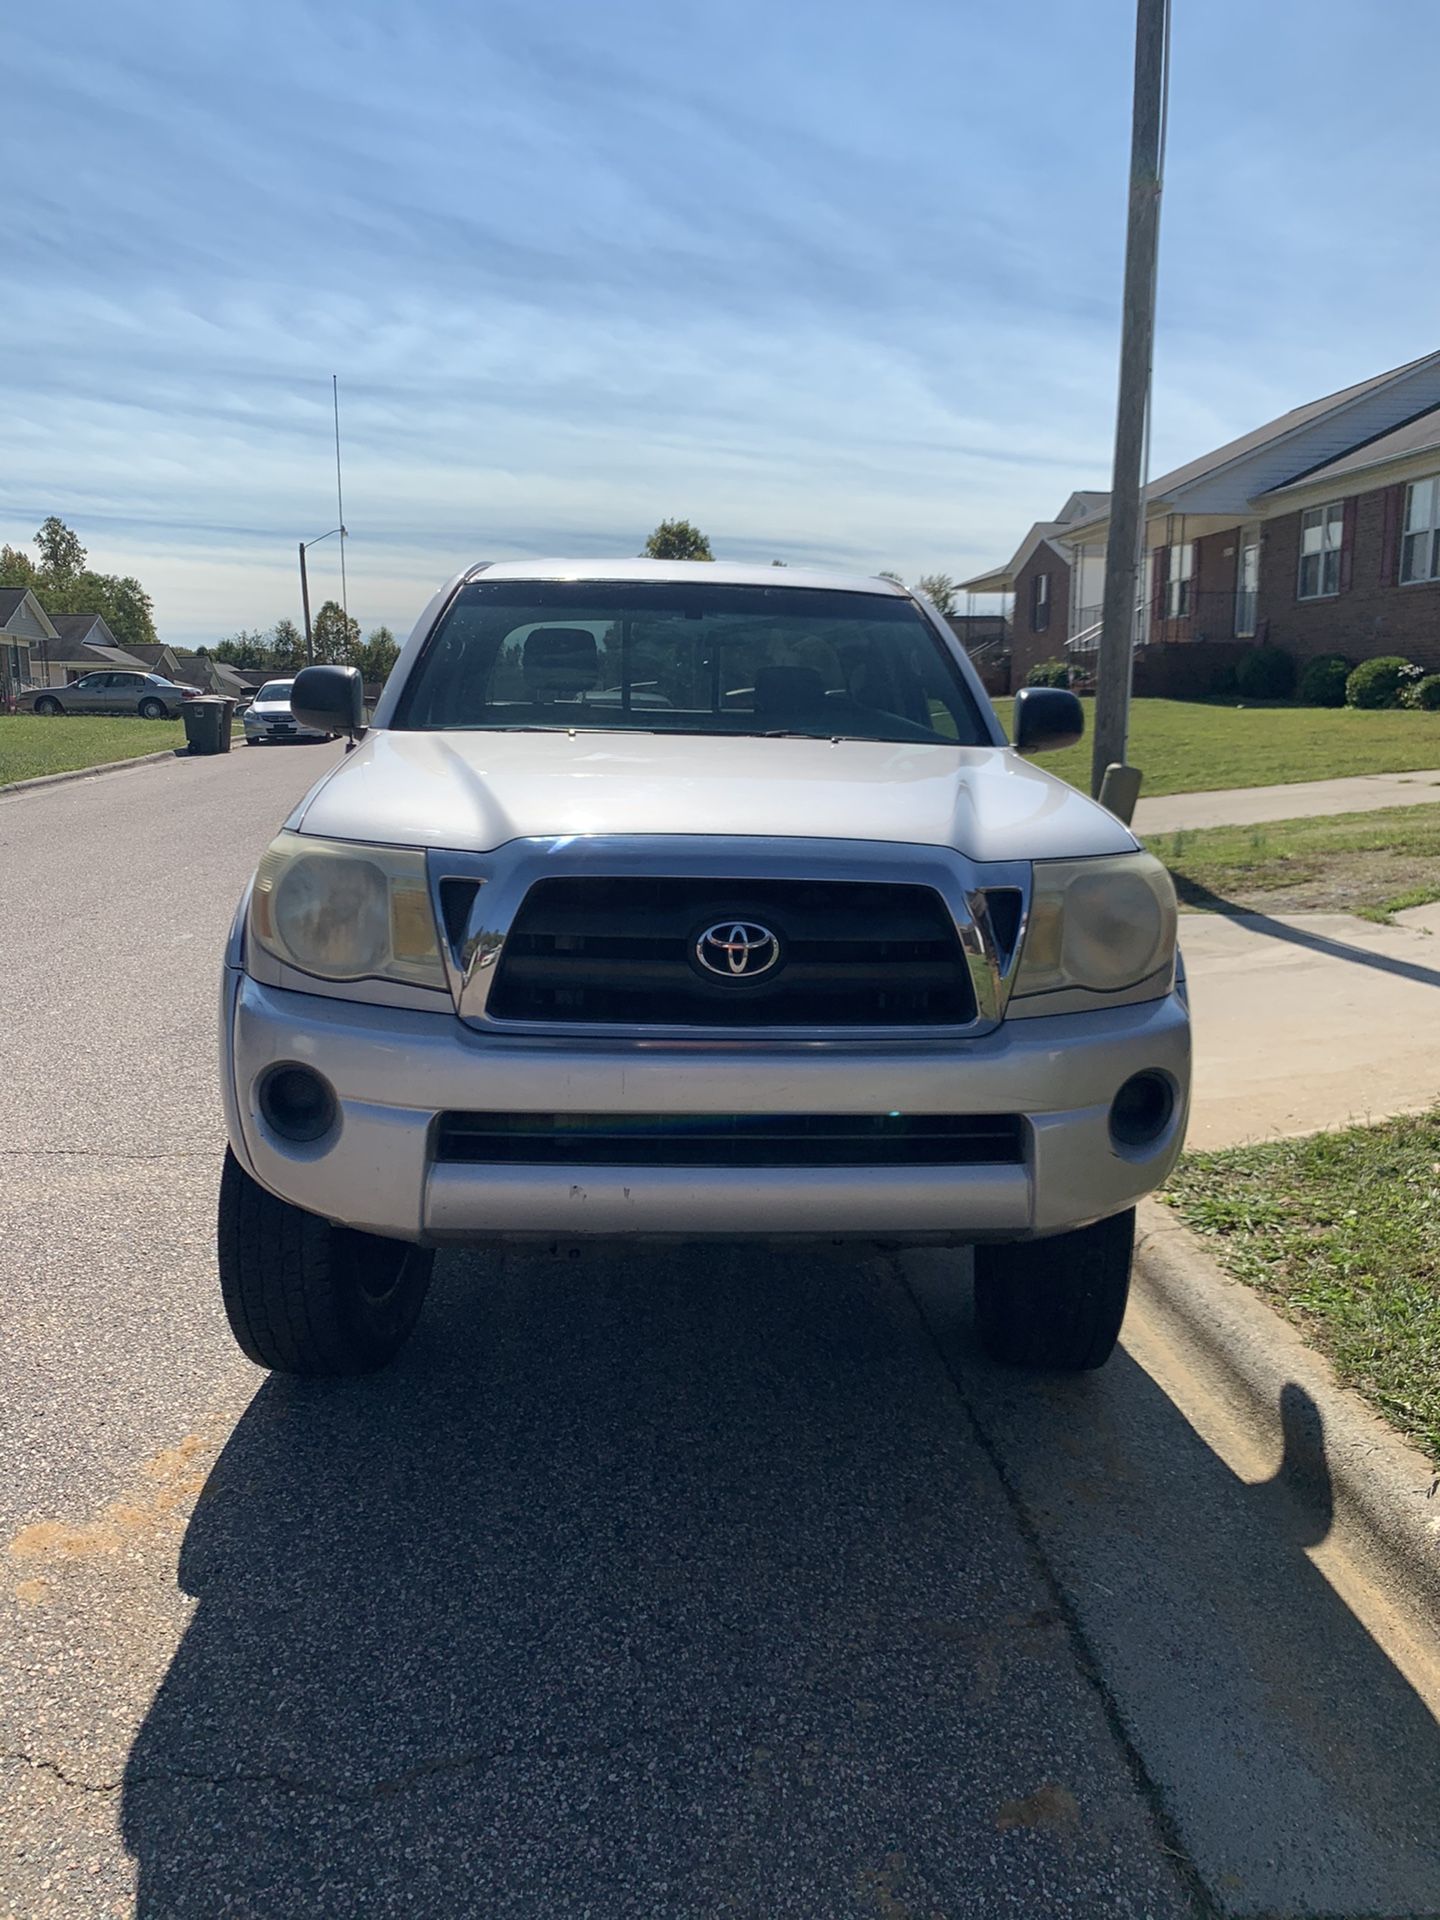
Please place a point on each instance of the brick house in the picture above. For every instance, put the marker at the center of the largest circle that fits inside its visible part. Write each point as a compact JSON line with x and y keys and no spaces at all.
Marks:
{"x":1043,"y":582}
{"x":1318,"y":532}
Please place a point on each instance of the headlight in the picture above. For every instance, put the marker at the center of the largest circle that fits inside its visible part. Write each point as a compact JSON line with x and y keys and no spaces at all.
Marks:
{"x":1101,"y":924}
{"x":346,"y":912}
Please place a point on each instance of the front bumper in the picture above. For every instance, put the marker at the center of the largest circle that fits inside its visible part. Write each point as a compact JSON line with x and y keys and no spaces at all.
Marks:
{"x":394,"y":1071}
{"x":258,"y":728}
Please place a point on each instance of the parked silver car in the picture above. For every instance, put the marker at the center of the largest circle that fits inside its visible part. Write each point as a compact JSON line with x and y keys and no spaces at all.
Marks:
{"x":268,"y":717}
{"x":150,"y":695}
{"x":795,"y":945}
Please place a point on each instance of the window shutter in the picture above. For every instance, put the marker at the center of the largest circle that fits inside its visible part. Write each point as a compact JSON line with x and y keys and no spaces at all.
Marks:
{"x":1347,"y":544}
{"x":1160,"y":586}
{"x":1390,"y":544}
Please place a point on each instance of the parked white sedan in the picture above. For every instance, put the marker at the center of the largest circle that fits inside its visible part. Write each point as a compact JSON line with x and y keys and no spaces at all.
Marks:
{"x":268,"y":717}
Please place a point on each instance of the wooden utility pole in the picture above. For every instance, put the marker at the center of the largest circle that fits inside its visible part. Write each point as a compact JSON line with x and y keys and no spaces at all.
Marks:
{"x":1137,"y":338}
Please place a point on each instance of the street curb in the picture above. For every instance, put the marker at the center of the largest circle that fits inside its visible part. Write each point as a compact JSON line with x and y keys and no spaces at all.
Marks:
{"x":89,"y":773}
{"x":1374,"y":1487}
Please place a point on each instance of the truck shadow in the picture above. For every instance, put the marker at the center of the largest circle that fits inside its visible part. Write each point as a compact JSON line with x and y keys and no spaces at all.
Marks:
{"x":684,"y":1585}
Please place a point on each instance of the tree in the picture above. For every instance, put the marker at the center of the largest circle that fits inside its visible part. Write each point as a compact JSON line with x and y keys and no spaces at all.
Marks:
{"x":779,"y":563}
{"x":130,"y":612}
{"x":336,"y":635}
{"x":17,"y":569}
{"x":123,"y":604}
{"x":245,"y":649}
{"x":939,"y":588}
{"x":61,"y":554}
{"x":287,"y":647}
{"x":63,"y":584}
{"x":677,"y":540}
{"x":377,"y":656}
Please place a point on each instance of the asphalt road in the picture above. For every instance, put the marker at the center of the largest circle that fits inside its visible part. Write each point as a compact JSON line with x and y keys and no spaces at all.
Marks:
{"x":702,"y":1583}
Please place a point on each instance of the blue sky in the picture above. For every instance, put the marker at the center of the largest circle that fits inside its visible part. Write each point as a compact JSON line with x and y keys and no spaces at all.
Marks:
{"x":840,"y":282}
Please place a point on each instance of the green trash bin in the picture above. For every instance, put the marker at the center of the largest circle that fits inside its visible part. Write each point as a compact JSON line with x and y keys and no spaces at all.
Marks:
{"x":207,"y":724}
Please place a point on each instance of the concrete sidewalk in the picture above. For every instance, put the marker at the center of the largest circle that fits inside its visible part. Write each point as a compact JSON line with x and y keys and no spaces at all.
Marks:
{"x":1299,"y":800}
{"x":1308,"y":1021}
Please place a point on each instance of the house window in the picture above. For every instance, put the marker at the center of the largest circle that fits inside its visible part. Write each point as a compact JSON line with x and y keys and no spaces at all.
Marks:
{"x":1177,"y":586}
{"x":1420,"y":546}
{"x":1321,"y":534}
{"x":1039,"y":602}
{"x":1247,"y":582}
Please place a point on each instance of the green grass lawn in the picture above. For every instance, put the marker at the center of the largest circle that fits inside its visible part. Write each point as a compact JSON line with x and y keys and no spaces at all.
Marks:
{"x":32,"y":744}
{"x":1372,"y":864}
{"x":1186,"y":746}
{"x":1341,"y":1233}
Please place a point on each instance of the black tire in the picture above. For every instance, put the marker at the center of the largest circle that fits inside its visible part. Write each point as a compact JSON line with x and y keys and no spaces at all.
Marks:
{"x":1056,"y":1304}
{"x":48,"y":705}
{"x":303,"y":1296}
{"x":152,"y":709}
{"x":251,"y":742}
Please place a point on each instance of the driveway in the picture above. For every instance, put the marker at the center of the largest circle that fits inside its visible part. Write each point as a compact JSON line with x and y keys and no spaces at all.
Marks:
{"x":706,"y":1582}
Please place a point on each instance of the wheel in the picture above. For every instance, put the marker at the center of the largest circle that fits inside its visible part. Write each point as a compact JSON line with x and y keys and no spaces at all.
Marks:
{"x":47,"y":705}
{"x":306,"y":1297}
{"x":152,"y":709}
{"x":1056,"y":1303}
{"x":251,"y":741}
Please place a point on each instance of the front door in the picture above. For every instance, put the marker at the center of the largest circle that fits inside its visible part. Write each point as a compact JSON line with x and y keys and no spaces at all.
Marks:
{"x":86,"y":695}
{"x":124,"y":691}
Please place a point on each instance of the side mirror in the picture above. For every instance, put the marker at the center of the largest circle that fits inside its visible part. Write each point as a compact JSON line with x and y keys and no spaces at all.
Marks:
{"x":1045,"y":718}
{"x":330,"y":699}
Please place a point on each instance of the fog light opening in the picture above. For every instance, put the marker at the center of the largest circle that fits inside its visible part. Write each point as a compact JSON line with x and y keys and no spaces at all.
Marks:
{"x":1141,"y":1110}
{"x":296,"y":1103}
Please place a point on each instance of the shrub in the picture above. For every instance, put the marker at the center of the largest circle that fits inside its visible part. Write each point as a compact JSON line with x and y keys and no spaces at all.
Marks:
{"x":1265,"y":673}
{"x":1049,"y":673}
{"x":1425,"y":693}
{"x":1322,"y":681}
{"x":1377,"y":683}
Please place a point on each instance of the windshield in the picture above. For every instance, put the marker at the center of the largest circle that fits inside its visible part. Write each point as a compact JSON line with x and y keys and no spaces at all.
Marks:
{"x":637,"y":657}
{"x":275,"y":690}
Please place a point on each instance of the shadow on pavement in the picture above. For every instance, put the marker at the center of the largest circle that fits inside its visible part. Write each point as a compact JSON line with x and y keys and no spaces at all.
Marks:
{"x":682,"y":1585}
{"x":1191,"y":894}
{"x":1300,"y":1767}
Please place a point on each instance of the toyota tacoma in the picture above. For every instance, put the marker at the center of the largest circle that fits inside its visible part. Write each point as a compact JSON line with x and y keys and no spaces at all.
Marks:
{"x":677,"y":901}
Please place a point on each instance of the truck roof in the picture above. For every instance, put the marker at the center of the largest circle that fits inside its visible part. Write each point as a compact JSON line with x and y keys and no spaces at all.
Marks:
{"x":718,"y":572}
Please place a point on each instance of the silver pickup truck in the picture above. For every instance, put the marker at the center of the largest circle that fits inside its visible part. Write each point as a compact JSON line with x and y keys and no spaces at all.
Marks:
{"x":676,"y":901}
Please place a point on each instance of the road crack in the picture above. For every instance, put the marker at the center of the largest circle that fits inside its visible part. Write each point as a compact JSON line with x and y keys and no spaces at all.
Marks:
{"x":390,"y":1787}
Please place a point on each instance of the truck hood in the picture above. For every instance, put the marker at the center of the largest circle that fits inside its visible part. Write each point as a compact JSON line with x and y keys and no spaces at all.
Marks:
{"x":476,"y":791}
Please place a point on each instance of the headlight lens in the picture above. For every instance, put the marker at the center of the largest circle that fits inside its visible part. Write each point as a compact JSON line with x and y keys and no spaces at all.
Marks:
{"x":346,"y":912}
{"x":1102,"y":925}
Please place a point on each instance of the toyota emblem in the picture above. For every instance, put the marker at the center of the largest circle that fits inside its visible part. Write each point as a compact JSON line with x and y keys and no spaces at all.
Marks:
{"x":737,"y":949}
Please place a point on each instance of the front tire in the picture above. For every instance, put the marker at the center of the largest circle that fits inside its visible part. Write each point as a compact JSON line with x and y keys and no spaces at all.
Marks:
{"x":48,"y":706}
{"x":303,"y":1296}
{"x":1056,"y":1304}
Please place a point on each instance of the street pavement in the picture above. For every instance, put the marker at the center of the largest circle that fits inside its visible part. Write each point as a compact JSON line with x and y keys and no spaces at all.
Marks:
{"x":705,"y":1582}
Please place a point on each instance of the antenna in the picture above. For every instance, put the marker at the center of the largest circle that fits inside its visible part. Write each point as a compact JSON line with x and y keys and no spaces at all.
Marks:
{"x":340,"y":499}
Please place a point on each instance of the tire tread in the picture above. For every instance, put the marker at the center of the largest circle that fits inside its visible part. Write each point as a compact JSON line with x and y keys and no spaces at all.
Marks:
{"x":1056,"y":1304}
{"x":289,"y":1281}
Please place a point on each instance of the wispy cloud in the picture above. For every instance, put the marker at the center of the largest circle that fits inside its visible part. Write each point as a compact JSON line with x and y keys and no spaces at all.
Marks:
{"x":840,"y":283}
